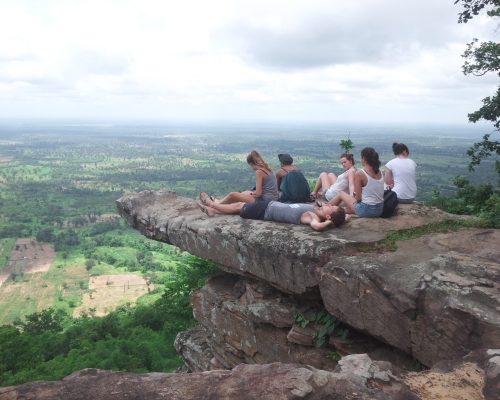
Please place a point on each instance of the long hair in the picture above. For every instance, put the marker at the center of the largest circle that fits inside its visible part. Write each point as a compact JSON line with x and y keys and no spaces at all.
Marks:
{"x":350,"y":157}
{"x":399,"y":148}
{"x":371,"y":158}
{"x":255,"y":158}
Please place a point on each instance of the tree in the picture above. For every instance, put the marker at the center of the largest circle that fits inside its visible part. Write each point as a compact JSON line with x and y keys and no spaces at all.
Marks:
{"x":482,"y":58}
{"x":347,"y":145}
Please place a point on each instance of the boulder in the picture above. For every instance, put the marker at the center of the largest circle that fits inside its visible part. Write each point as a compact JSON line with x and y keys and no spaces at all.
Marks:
{"x":248,"y":322}
{"x":435,"y":297}
{"x":263,"y":382}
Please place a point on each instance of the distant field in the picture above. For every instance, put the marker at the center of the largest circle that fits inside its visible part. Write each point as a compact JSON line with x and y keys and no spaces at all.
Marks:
{"x":106,"y":292}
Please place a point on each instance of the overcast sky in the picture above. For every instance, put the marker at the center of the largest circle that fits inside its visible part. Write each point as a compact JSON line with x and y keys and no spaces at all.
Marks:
{"x":263,"y":60}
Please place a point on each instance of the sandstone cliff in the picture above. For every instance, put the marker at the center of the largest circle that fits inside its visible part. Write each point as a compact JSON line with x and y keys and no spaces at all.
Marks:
{"x":434,"y":298}
{"x":263,"y":331}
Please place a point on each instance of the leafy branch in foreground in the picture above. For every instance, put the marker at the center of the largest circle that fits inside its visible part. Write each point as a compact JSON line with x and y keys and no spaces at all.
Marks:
{"x":482,"y":58}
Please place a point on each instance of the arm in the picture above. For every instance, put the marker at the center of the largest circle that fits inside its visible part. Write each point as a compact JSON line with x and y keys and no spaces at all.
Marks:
{"x":350,"y":176}
{"x":259,"y":180}
{"x":311,"y":219}
{"x":389,"y":179}
{"x":358,"y":185}
{"x":280,"y":174}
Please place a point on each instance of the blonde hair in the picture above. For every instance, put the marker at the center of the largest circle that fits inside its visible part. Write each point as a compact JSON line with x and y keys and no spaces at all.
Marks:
{"x":255,"y":158}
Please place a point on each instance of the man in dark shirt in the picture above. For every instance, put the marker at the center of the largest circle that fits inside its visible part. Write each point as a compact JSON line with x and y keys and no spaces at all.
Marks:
{"x":318,"y":218}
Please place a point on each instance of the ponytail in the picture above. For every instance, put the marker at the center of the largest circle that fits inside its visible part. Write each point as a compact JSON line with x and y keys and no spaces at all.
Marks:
{"x":371,"y":158}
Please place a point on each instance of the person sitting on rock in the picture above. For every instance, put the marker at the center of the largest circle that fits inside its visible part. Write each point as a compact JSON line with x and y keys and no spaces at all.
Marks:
{"x":265,"y":184}
{"x":400,"y":174}
{"x":318,"y":218}
{"x":369,"y":188}
{"x":329,"y":185}
{"x":292,"y":184}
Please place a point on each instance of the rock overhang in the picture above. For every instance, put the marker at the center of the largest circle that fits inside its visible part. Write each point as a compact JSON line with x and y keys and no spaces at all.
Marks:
{"x":433,"y":287}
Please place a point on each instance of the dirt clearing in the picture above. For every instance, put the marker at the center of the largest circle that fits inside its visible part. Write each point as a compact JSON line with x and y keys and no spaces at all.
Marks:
{"x":27,"y":257}
{"x":464,"y":383}
{"x":106,"y":292}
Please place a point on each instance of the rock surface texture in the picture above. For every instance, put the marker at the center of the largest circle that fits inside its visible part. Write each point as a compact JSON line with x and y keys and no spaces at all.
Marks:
{"x":359,"y":379}
{"x":435,"y":298}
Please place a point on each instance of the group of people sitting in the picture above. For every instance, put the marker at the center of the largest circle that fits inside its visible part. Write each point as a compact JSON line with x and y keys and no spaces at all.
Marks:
{"x":284,"y":196}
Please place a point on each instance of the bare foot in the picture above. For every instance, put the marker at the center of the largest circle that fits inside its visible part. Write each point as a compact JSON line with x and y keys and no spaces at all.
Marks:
{"x":204,"y":197}
{"x":206,"y":209}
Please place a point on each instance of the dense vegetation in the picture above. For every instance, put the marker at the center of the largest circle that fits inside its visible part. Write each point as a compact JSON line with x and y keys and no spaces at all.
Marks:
{"x":50,"y":345}
{"x":58,"y":185}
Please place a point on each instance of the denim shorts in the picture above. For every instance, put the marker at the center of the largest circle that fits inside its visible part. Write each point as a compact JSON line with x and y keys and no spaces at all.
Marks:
{"x":368,"y":210}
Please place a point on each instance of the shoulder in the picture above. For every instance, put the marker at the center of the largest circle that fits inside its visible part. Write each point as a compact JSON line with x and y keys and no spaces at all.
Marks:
{"x":281,"y":172}
{"x":391,"y":163}
{"x":359,"y":174}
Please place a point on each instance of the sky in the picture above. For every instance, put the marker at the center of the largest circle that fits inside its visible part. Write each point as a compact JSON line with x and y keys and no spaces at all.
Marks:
{"x":238,"y":60}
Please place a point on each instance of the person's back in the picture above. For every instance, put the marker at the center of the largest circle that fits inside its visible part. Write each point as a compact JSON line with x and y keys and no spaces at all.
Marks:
{"x":269,"y":187}
{"x":404,"y":175}
{"x":292,"y":184}
{"x":294,"y":188}
{"x":401,"y":174}
{"x":373,"y":192}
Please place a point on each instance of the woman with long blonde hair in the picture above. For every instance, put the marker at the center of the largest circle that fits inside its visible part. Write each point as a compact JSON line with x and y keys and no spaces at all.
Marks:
{"x":265,"y":184}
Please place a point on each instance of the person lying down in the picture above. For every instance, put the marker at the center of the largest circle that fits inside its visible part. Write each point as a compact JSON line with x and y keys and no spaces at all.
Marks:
{"x":318,"y":218}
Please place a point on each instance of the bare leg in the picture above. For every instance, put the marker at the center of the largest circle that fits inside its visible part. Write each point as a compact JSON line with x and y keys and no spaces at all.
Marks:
{"x":348,"y":202}
{"x":233,"y":208}
{"x":325,"y":180}
{"x":235,"y":197}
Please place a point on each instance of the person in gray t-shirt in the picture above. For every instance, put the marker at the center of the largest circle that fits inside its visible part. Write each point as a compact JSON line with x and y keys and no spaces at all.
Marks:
{"x":318,"y":218}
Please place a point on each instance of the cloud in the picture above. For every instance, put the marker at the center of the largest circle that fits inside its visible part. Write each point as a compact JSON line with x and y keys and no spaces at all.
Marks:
{"x":343,"y":33}
{"x":321,"y":59}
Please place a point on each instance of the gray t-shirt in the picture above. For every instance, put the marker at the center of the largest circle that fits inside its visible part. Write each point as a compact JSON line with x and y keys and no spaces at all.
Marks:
{"x":283,"y":212}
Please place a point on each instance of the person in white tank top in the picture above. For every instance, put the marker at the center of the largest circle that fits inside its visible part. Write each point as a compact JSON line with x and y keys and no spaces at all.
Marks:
{"x":329,"y":185}
{"x":368,"y":201}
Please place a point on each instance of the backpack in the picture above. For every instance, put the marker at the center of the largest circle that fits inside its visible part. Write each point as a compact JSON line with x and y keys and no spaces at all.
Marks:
{"x":294,"y":188}
{"x":390,"y":203}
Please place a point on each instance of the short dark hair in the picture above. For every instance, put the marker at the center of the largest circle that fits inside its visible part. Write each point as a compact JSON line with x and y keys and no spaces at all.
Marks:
{"x":285,"y":159}
{"x":338,"y":217}
{"x":399,"y":148}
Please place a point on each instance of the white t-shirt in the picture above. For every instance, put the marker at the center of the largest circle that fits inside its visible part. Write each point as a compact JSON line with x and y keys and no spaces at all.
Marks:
{"x":403,"y":173}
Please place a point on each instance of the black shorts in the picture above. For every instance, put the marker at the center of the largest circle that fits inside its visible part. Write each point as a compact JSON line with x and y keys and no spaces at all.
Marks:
{"x":254,"y":210}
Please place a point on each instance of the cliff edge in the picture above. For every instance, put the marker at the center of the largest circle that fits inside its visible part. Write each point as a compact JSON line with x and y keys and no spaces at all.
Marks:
{"x":434,"y":298}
